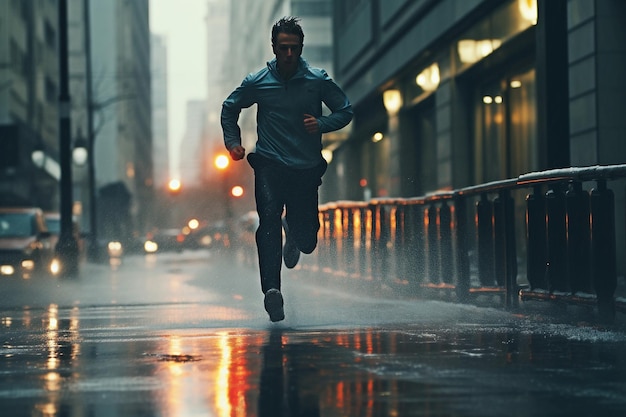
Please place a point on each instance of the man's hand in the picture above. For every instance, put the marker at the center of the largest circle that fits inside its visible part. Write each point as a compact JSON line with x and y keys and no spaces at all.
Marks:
{"x":237,"y":153}
{"x":310,"y":124}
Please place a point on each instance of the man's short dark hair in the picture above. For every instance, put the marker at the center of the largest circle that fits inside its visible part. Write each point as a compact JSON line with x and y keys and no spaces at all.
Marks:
{"x":289,"y":25}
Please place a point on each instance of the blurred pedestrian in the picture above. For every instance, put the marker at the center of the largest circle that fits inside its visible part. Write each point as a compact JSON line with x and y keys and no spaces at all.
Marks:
{"x":287,"y":162}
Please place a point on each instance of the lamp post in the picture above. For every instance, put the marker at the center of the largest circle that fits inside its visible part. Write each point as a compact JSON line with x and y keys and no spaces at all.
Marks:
{"x":94,"y":254}
{"x":67,"y":246}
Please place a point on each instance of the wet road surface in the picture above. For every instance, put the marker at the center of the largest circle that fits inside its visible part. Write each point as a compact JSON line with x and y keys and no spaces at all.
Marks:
{"x":186,"y":335}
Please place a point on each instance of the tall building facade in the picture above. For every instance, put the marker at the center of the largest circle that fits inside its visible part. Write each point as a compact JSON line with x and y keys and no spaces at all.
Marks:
{"x":483,"y":91}
{"x":120,"y":54}
{"x":218,"y":80}
{"x":29,"y":101}
{"x":160,"y":121}
{"x":192,"y":161}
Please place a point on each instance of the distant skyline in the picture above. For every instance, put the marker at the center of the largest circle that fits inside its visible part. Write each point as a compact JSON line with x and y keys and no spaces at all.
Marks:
{"x":182,"y":24}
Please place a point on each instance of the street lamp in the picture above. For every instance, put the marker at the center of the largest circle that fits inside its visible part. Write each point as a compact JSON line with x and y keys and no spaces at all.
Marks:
{"x":174,"y":186}
{"x":221,"y":162}
{"x":392,"y":99}
{"x":38,"y":156}
{"x":80,"y":152}
{"x":67,"y":246}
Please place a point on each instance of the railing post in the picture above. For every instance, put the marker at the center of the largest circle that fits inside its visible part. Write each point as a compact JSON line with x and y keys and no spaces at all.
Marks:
{"x":416,"y":245}
{"x":434,"y":272}
{"x":603,"y":249}
{"x":349,"y":240}
{"x":340,"y":227}
{"x":499,"y":240}
{"x":322,"y":258}
{"x":557,"y":243}
{"x":382,"y":255}
{"x":446,"y":257}
{"x":578,"y":238}
{"x":364,"y":241}
{"x":462,"y":260}
{"x":536,"y":249}
{"x":332,"y":235}
{"x":329,"y":239}
{"x":400,"y":247}
{"x":484,"y":226}
{"x":506,"y":257}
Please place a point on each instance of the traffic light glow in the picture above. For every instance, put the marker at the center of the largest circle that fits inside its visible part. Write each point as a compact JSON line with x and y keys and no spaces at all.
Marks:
{"x":221,"y":162}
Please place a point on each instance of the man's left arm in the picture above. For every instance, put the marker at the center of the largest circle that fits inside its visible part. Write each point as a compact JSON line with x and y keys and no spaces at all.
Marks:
{"x":341,"y":109}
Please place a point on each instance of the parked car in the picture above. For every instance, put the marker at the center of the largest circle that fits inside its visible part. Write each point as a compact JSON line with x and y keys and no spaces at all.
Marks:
{"x":163,"y":240}
{"x":26,"y":245}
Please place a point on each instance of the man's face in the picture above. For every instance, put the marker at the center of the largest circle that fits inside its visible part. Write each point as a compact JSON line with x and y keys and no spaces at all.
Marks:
{"x":287,"y":50}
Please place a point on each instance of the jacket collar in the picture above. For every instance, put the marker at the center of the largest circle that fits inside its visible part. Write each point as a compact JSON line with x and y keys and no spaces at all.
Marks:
{"x":300,"y":72}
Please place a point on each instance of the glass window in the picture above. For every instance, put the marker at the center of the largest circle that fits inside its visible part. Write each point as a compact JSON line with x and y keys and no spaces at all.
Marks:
{"x":16,"y":225}
{"x":506,"y":128}
{"x":492,"y":32}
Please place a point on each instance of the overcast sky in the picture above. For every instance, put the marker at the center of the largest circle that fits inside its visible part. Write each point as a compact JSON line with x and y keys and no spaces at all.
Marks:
{"x":181,"y":22}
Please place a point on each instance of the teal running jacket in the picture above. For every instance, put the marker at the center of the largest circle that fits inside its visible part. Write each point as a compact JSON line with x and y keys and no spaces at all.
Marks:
{"x":281,"y":105}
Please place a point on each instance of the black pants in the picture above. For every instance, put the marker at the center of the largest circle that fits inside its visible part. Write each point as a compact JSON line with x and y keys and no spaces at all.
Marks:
{"x":279,"y":187}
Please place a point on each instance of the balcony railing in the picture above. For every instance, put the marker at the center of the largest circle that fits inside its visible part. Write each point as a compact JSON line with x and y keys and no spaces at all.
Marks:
{"x":547,"y":235}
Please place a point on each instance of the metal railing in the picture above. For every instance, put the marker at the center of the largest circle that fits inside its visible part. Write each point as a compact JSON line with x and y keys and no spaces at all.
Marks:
{"x":547,"y":235}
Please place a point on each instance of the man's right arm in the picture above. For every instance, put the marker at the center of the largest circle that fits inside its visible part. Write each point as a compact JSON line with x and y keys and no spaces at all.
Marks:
{"x":231,"y":108}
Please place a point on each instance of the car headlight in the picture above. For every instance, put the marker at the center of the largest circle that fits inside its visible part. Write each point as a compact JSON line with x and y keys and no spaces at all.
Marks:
{"x":150,"y":246}
{"x":55,"y":266}
{"x":7,"y":270}
{"x":115,"y":249}
{"x":28,"y":264}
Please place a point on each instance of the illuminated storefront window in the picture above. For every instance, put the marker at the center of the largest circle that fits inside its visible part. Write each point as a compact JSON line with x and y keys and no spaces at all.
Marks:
{"x":492,"y":32}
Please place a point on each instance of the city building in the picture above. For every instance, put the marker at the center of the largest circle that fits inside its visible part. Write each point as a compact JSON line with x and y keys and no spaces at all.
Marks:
{"x":453,"y":93}
{"x":219,"y":81}
{"x":109,"y":106}
{"x":121,"y":82}
{"x":160,"y":121}
{"x":191,"y":159}
{"x":29,"y":94}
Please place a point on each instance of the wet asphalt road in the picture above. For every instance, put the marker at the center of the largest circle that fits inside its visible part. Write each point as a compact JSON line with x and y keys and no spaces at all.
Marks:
{"x":186,"y":335}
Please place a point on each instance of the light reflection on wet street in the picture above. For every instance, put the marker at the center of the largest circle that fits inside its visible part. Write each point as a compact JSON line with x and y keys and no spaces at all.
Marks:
{"x":180,"y":336}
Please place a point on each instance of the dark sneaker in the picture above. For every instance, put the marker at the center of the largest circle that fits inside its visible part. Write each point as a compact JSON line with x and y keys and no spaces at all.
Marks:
{"x":291,"y":253}
{"x":274,"y":305}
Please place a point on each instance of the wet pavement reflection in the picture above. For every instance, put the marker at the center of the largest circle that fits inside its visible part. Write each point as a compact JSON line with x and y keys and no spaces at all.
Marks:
{"x":99,"y":361}
{"x":185,"y":335}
